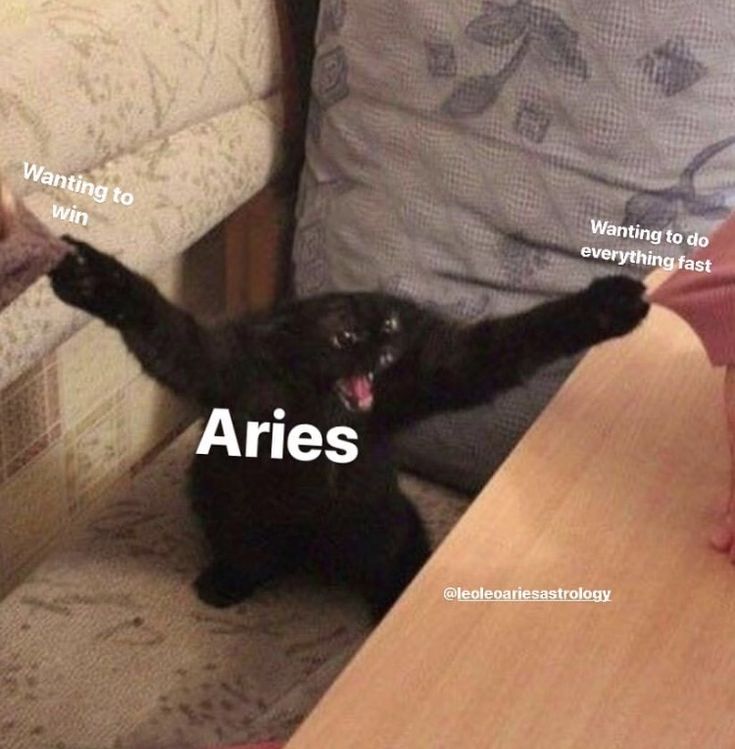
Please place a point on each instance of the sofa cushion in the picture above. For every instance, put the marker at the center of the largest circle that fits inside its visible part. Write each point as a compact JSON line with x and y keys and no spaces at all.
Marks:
{"x":173,"y":102}
{"x":85,"y":82}
{"x":183,"y":185}
{"x":457,"y":152}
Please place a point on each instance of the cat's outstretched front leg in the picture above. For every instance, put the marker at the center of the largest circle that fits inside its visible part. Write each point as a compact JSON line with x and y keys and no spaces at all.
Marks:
{"x":501,"y":353}
{"x":167,"y":341}
{"x":609,"y":307}
{"x":455,"y":366}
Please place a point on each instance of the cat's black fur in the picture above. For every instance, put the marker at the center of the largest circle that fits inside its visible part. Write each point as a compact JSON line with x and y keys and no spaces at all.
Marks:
{"x":265,"y":517}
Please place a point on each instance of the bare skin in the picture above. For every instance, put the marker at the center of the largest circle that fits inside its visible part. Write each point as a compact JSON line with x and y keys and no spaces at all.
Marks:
{"x":722,"y":537}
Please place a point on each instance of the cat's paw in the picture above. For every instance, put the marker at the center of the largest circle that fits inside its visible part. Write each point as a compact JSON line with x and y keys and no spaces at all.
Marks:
{"x":95,"y":282}
{"x":616,"y":304}
{"x":219,"y":586}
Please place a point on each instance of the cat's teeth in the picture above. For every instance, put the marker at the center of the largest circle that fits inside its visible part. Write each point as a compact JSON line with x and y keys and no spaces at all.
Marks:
{"x":370,"y":376}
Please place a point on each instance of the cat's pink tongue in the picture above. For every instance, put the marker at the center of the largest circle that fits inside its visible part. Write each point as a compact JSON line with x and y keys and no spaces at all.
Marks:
{"x":363,"y":390}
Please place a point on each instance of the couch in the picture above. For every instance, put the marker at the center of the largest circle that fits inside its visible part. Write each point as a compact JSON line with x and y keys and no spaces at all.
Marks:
{"x":178,"y":104}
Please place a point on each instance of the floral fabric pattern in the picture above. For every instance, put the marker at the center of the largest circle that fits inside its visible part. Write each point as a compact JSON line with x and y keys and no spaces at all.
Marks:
{"x":481,"y":136}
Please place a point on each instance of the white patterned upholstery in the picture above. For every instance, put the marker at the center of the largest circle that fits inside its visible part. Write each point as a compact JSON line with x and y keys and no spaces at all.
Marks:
{"x":174,"y":101}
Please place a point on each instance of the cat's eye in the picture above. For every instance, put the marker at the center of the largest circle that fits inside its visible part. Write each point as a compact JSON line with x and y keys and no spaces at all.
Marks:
{"x":344,"y":339}
{"x":390,"y":325}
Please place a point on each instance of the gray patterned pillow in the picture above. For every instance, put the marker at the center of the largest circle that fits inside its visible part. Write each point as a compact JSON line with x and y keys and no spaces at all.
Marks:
{"x":457,"y":152}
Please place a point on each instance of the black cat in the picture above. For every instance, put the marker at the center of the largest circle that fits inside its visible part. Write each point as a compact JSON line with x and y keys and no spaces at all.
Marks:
{"x":369,"y":361}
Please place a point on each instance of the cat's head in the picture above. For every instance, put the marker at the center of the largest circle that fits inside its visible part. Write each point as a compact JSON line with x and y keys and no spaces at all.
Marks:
{"x":346,"y":342}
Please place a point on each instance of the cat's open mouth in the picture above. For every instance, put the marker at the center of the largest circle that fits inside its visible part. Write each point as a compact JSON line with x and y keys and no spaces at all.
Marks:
{"x":356,"y":392}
